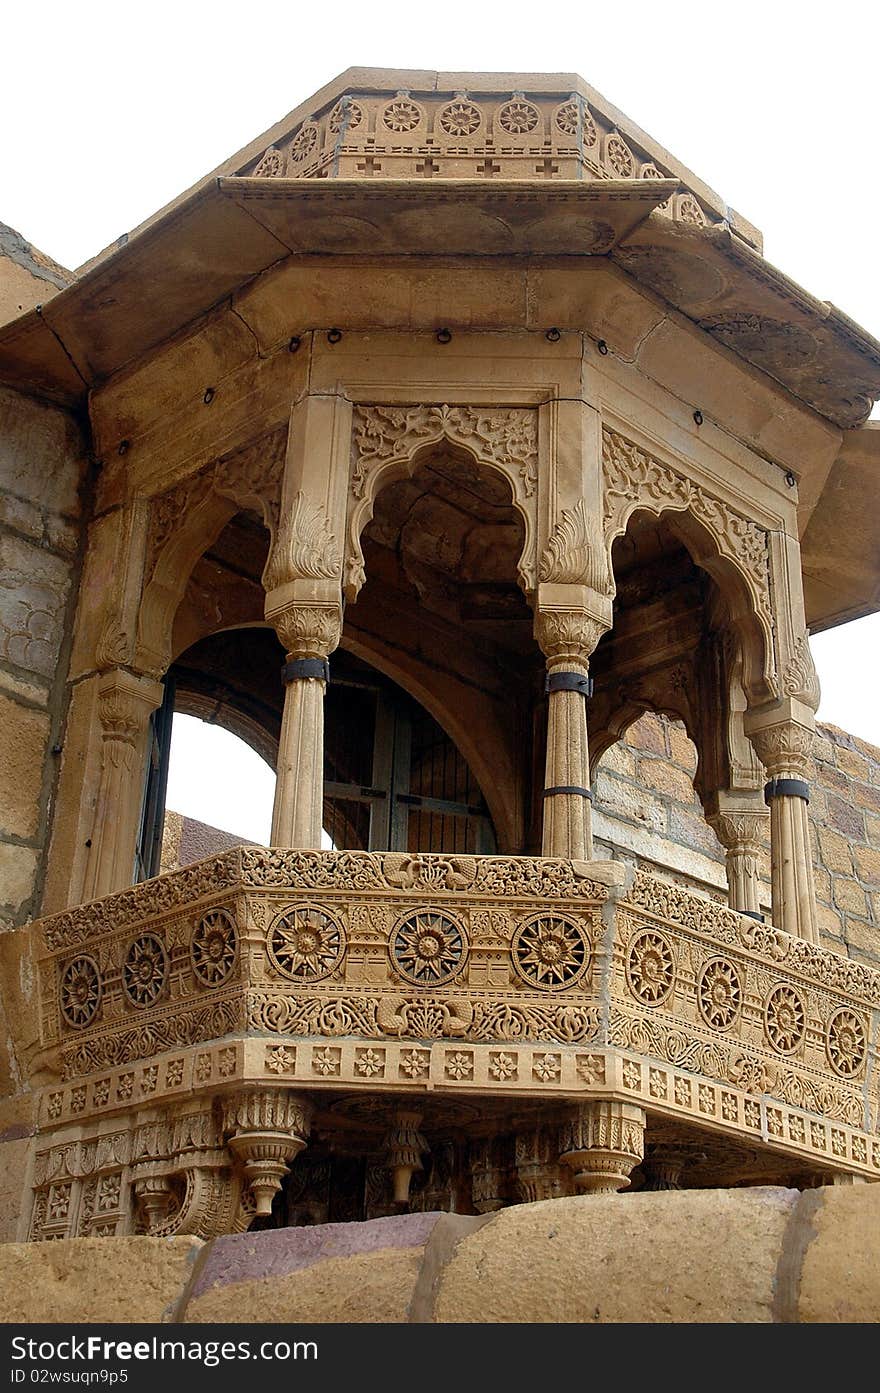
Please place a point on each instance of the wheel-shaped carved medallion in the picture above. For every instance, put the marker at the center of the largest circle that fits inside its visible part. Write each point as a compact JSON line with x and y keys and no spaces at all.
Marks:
{"x":306,"y":943}
{"x":303,"y":143}
{"x":80,"y":991}
{"x":650,"y":968}
{"x":784,"y":1019}
{"x":719,"y":994}
{"x":402,"y":115}
{"x":845,"y":1044}
{"x":213,"y":947}
{"x":518,"y":117}
{"x":460,"y":118}
{"x":145,"y":970}
{"x":428,"y":948}
{"x":550,"y":951}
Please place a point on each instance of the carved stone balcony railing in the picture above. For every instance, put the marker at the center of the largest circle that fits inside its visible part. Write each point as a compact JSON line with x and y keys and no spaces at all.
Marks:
{"x":193,"y":1026}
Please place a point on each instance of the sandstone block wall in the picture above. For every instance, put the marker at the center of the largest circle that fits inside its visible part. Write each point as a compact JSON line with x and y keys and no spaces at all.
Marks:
{"x":646,"y":811}
{"x":765,"y":1255}
{"x":43,"y":474}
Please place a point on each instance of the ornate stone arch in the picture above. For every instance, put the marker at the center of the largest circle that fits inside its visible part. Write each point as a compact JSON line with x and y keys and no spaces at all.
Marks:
{"x":385,"y":444}
{"x":731,"y":547}
{"x":186,"y":520}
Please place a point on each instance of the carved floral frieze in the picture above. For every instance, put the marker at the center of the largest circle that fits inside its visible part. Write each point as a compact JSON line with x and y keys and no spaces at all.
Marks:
{"x":366,"y":971}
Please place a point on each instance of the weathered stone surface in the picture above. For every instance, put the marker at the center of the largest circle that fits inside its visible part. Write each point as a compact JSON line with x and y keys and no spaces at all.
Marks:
{"x":375,"y":1287}
{"x":34,"y":585}
{"x":18,"y":866}
{"x":21,"y":771}
{"x":713,"y":1257}
{"x":90,"y":1279}
{"x":840,"y":1278}
{"x":276,"y":1253}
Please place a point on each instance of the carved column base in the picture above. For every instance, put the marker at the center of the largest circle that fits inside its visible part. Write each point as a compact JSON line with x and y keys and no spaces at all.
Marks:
{"x":602,"y":1143}
{"x":266,"y":1129}
{"x":662,"y":1168}
{"x":156,"y":1200}
{"x":405,"y":1147}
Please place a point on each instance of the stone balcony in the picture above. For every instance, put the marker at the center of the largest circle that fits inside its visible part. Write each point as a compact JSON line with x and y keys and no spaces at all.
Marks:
{"x":550,"y":1012}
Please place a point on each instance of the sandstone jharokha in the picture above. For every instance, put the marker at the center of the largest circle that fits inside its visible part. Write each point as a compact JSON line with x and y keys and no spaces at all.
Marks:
{"x":459,"y":450}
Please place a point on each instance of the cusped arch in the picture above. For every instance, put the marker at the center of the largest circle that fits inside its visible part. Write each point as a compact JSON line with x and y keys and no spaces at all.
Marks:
{"x":735,"y":552}
{"x":389,"y":443}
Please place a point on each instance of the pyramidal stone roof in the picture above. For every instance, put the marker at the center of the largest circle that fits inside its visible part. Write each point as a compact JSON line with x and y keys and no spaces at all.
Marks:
{"x":391,"y":163}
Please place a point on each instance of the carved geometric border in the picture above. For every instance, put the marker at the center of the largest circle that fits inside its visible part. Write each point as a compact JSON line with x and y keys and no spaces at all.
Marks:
{"x":535,"y":1070}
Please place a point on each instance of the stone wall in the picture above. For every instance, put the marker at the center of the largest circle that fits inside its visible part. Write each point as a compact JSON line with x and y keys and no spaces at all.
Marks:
{"x":43,"y":473}
{"x":765,"y":1255}
{"x":647,"y":812}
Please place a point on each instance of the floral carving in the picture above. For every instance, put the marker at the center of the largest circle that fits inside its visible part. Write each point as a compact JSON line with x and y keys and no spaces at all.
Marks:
{"x":502,"y":1066}
{"x":619,"y":157}
{"x":575,"y":553}
{"x":650,"y":968}
{"x":689,"y":211}
{"x":800,"y":678}
{"x":388,"y":433}
{"x":568,"y":118}
{"x":634,"y":478}
{"x":303,"y":143}
{"x":304,"y":546}
{"x":719,"y":994}
{"x":145,"y":970}
{"x":346,"y":116}
{"x":845,"y":1044}
{"x":518,"y":117}
{"x":428,"y":948}
{"x":305,"y":943}
{"x":280,"y":1059}
{"x":460,"y":118}
{"x":213,"y":947}
{"x":415,"y":1063}
{"x":784,"y":1019}
{"x":402,"y":115}
{"x":80,"y":991}
{"x":271,"y":165}
{"x":550,"y":951}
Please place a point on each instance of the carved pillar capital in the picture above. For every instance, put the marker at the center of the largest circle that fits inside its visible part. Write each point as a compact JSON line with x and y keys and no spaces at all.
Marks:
{"x":783,"y":735}
{"x":308,"y":630}
{"x":602,"y":1142}
{"x":266,"y":1128}
{"x":567,"y":637}
{"x":125,"y":704}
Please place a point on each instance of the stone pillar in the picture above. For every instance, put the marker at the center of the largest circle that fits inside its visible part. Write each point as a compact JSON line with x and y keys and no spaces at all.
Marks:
{"x":539,"y":1175}
{"x":567,"y":639}
{"x":603,"y":1142}
{"x":783,"y":740}
{"x":309,"y":632}
{"x":266,"y":1129}
{"x":125,"y":704}
{"x":739,"y":829}
{"x":404,"y":1148}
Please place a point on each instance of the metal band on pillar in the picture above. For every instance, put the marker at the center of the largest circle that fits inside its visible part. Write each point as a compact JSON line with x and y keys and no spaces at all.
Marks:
{"x":787,"y":788}
{"x":568,"y":682}
{"x":298,"y":669}
{"x":568,"y":788}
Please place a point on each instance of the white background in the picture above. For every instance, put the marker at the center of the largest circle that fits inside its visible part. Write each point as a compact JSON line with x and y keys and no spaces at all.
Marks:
{"x":109,"y":111}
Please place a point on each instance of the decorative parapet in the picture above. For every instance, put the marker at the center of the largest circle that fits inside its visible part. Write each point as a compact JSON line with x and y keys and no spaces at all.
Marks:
{"x":485,"y":135}
{"x":535,"y":980}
